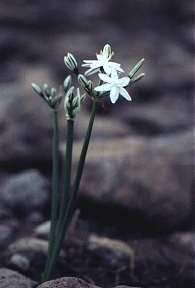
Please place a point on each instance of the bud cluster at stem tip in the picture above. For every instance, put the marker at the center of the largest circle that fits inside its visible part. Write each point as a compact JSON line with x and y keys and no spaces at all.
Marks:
{"x":72,"y":103}
{"x":49,"y":95}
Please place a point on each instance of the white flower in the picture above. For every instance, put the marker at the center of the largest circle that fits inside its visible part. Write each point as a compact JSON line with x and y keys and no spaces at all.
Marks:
{"x":103,"y":61}
{"x":115,"y":86}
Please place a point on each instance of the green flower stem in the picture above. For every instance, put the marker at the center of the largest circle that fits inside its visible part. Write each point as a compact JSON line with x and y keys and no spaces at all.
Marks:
{"x":67,"y":174}
{"x":55,"y":187}
{"x":83,"y":157}
{"x":63,"y":208}
{"x":71,"y":204}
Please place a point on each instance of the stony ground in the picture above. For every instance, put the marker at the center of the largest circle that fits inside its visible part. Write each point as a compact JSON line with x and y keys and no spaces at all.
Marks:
{"x":135,"y":222}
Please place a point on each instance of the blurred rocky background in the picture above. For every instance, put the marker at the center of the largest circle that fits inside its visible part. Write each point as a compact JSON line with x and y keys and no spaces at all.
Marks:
{"x":137,"y":189}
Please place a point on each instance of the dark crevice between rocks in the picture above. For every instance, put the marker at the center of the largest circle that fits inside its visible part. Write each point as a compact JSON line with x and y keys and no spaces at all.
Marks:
{"x":115,"y":220}
{"x":150,"y":128}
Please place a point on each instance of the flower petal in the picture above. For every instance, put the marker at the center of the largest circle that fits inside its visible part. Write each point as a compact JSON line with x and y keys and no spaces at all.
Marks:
{"x":86,"y":65}
{"x":103,"y":87}
{"x":105,"y":78}
{"x":100,"y":57}
{"x":125,"y":94}
{"x":114,"y":94}
{"x":91,"y":71}
{"x":123,"y":81}
{"x":88,"y":61}
{"x":116,"y":66}
{"x":107,"y":68}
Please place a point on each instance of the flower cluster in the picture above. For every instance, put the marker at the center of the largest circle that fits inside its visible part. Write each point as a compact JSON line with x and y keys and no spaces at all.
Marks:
{"x":113,"y":81}
{"x":110,"y":74}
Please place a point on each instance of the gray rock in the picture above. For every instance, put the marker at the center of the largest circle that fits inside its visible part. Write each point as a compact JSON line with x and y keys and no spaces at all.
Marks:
{"x":28,"y":246}
{"x":20,"y":262}
{"x":25,"y":127}
{"x":116,"y":253}
{"x":148,"y":177}
{"x":124,"y":286}
{"x":25,"y":192}
{"x":43,"y":229}
{"x":169,"y":114}
{"x":12,"y":279}
{"x":67,"y":282}
{"x":6,"y":233}
{"x":36,"y":217}
{"x":104,"y":127}
{"x":33,"y":249}
{"x":5,"y":212}
{"x":184,"y":239}
{"x":164,"y":258}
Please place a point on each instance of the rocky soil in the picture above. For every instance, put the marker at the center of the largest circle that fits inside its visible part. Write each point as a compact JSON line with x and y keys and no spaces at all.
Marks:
{"x":135,"y":220}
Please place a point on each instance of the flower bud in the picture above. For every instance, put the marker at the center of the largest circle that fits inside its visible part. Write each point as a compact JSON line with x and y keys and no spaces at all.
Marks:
{"x":37,"y":89}
{"x":76,"y":102}
{"x":54,"y":102}
{"x":85,"y":83}
{"x":46,"y":91}
{"x":67,"y":83}
{"x":107,"y":51}
{"x":90,"y":85}
{"x":72,"y":103}
{"x":71,"y":62}
{"x":136,"y":68}
{"x":53,"y":92}
{"x":138,"y":77}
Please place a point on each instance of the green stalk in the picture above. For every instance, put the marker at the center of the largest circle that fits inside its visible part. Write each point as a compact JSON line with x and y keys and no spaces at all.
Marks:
{"x":55,"y":188}
{"x":67,"y":174}
{"x":67,"y":183}
{"x":84,"y":150}
{"x":71,"y":204}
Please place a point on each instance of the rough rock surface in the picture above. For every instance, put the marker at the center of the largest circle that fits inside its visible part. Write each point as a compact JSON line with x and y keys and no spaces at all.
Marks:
{"x":162,"y":116}
{"x":152,"y":178}
{"x":6,"y":234}
{"x":24,"y":126}
{"x":67,"y":282}
{"x":25,"y":192}
{"x":12,"y":279}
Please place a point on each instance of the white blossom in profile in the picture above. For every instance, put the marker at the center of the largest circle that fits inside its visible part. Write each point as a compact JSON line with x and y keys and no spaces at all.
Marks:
{"x":102,"y":62}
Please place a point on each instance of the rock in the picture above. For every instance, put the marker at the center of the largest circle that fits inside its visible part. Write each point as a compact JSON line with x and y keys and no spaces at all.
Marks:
{"x":20,"y":262}
{"x":29,"y":245}
{"x":43,"y":229}
{"x":35,"y":250}
{"x":25,"y":192}
{"x":164,"y":258}
{"x":104,"y":127}
{"x":67,"y":282}
{"x":124,"y":286}
{"x":159,"y":261}
{"x":148,"y":178}
{"x":184,"y":239}
{"x":12,"y":279}
{"x":25,"y":252}
{"x":116,"y":253}
{"x":169,"y":114}
{"x":6,"y":233}
{"x":5,"y":213}
{"x":23,"y":122}
{"x":35,"y":217}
